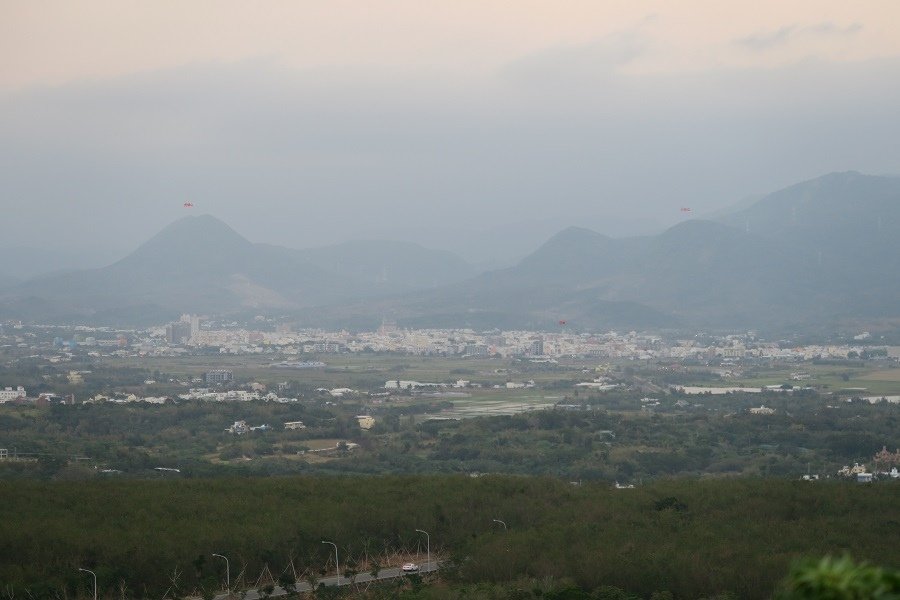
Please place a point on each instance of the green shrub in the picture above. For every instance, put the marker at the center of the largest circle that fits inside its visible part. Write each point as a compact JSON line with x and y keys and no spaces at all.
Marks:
{"x":839,"y":579}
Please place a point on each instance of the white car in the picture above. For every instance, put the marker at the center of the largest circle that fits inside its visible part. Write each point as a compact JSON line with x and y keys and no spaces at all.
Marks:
{"x":410,"y":568}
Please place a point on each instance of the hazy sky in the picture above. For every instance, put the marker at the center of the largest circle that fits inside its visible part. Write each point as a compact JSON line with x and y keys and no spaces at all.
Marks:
{"x":477,"y":126}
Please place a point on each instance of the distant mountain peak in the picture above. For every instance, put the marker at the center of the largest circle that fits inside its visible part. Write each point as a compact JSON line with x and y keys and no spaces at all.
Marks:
{"x":183,"y":240}
{"x":838,"y":182}
{"x":573,"y":249}
{"x":572,"y":237}
{"x":851,"y":174}
{"x":837,"y":193}
{"x":575,"y":232}
{"x":198,"y":224}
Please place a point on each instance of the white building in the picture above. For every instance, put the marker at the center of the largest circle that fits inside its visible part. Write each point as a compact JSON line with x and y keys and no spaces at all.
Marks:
{"x":239,"y":427}
{"x":9,"y":394}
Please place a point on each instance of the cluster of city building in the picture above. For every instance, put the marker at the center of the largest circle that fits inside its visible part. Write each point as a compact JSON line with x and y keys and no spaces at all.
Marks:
{"x":209,"y":395}
{"x":191,"y":334}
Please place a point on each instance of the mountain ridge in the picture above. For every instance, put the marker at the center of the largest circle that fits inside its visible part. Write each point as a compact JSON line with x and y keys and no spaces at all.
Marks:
{"x":195,"y":264}
{"x":819,"y":250}
{"x":704,"y":272}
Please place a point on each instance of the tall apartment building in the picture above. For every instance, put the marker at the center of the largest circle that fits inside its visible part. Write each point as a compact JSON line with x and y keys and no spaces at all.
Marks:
{"x":178,"y":332}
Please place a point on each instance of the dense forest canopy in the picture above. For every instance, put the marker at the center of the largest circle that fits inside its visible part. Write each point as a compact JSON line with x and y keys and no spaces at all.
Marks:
{"x":692,"y":538}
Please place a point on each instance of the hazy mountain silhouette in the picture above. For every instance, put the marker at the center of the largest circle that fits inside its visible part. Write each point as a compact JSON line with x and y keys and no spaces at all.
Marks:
{"x":847,"y":223}
{"x":200,"y":264}
{"x":820,"y":250}
{"x":698,"y":271}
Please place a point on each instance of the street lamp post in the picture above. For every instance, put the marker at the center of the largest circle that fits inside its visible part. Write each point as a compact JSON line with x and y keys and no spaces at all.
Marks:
{"x":505,"y":529}
{"x":227,"y":572}
{"x":427,"y":546}
{"x":95,"y":580}
{"x":337,"y":564}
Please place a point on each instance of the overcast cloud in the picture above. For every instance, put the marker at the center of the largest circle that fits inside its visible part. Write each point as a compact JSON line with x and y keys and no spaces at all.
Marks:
{"x":484,"y":162}
{"x":771,"y":39}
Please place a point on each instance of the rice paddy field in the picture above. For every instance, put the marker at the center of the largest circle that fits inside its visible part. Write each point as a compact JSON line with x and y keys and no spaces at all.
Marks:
{"x":494,"y":403}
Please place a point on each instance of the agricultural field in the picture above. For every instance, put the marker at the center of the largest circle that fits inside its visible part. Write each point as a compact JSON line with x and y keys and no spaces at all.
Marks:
{"x":498,"y":403}
{"x":849,"y":379}
{"x":367,"y":372}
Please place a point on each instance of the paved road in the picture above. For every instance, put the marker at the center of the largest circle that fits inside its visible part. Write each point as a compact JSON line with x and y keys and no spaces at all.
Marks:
{"x":303,"y":586}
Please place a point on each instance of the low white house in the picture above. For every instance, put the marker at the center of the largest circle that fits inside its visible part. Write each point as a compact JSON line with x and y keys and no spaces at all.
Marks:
{"x":239,"y":427}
